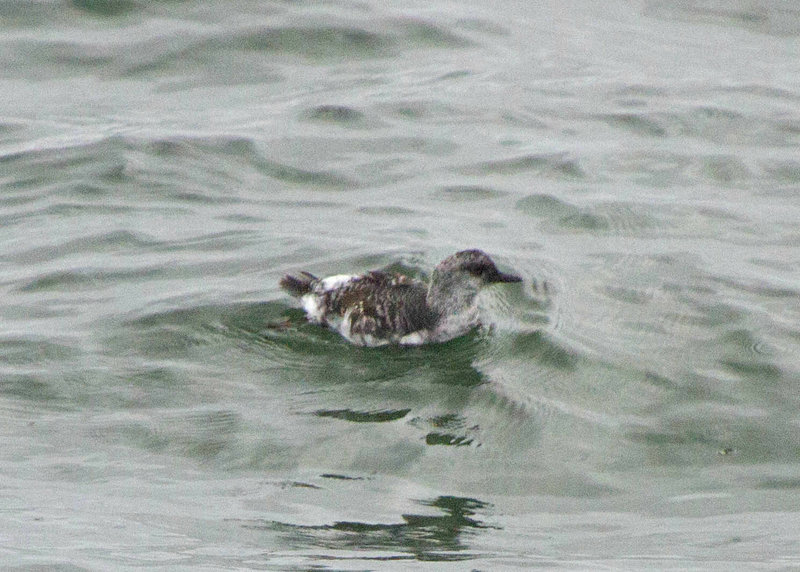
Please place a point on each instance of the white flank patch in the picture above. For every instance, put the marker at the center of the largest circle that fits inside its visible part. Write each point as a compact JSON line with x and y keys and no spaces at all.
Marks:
{"x":312,"y":303}
{"x":334,"y":282}
{"x":313,"y":307}
{"x":413,"y":339}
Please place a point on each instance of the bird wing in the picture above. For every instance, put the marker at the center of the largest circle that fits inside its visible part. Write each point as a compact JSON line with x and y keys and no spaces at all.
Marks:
{"x":381,"y":304}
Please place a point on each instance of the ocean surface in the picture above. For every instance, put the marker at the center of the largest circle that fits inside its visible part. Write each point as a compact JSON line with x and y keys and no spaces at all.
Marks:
{"x":634,"y":404}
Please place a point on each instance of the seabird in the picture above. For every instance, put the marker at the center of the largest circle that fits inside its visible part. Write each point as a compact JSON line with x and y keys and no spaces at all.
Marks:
{"x":380,"y":308}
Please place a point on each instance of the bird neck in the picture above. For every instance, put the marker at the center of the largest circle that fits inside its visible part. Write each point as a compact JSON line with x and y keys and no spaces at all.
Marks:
{"x":450,"y":294}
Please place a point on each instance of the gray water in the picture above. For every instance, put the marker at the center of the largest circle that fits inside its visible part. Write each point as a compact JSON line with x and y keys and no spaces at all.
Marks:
{"x":633,"y":404}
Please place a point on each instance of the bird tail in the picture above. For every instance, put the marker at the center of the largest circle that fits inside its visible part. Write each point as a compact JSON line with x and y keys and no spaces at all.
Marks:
{"x":298,"y":284}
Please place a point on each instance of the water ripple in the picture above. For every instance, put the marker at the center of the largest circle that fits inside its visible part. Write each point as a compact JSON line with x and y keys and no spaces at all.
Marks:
{"x":553,"y":165}
{"x":427,"y":537}
{"x":603,"y":218}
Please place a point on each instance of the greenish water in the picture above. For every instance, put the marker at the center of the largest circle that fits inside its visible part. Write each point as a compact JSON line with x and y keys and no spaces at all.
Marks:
{"x":633,"y":404}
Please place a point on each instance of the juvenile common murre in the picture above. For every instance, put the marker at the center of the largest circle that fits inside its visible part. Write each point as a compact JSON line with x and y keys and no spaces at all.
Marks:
{"x":379,"y":308}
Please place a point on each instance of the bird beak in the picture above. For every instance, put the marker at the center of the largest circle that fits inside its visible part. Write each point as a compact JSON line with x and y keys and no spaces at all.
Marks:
{"x":501,"y":277}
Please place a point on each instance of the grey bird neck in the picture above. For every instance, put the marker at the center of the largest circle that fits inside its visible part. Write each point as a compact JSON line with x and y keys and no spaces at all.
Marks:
{"x":451,"y":293}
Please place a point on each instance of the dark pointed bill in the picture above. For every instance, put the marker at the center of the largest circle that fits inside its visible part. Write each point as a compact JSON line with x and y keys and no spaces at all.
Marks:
{"x":502,"y":277}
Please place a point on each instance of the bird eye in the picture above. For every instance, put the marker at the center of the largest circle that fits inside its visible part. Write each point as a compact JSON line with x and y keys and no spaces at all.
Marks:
{"x":477,"y":269}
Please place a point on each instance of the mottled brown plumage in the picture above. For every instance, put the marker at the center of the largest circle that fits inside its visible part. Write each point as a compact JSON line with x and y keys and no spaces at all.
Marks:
{"x":379,"y":303}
